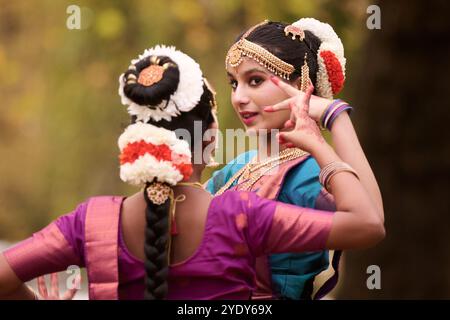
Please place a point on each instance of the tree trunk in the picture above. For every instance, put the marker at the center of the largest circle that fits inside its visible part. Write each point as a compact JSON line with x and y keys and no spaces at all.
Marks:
{"x":401,"y":102}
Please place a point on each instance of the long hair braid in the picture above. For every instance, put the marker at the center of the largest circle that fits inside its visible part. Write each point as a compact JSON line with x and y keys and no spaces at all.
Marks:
{"x":155,"y":247}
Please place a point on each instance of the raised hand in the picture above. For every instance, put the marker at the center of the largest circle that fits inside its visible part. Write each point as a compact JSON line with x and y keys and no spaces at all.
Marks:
{"x":305,"y":133}
{"x":54,"y":289}
{"x":317,"y":105}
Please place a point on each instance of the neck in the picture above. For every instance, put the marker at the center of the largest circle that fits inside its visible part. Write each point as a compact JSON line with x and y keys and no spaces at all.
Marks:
{"x":196,"y":174}
{"x":271,"y":145}
{"x":186,"y":189}
{"x":195,"y":177}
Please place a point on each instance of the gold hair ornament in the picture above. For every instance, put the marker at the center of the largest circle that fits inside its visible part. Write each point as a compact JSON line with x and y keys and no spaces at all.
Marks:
{"x":294,"y":31}
{"x":245,"y":48}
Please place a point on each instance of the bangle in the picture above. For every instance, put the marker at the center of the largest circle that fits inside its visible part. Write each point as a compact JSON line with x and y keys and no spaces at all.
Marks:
{"x":337,"y":113}
{"x":326,"y":112}
{"x":332,"y":111}
{"x":332,"y":169}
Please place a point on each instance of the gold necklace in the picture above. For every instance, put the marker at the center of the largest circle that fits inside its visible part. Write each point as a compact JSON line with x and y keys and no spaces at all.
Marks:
{"x":284,"y":156}
{"x":252,"y":167}
{"x":248,"y":185}
{"x":196,"y":184}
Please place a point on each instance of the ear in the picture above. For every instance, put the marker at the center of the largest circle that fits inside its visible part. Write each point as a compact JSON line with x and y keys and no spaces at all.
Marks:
{"x":213,"y":126}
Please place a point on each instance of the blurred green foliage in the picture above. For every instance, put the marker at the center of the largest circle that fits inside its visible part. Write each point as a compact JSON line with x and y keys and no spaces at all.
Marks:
{"x":60,"y":112}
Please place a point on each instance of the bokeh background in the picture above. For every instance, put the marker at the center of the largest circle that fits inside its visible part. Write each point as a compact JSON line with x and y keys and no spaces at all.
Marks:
{"x":60,"y":114}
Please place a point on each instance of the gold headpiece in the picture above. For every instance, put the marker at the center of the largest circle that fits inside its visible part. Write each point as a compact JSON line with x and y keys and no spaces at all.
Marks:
{"x":294,"y":31}
{"x":244,"y":48}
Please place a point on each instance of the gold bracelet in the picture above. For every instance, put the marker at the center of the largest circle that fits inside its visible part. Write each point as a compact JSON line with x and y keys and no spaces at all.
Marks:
{"x":332,"y":169}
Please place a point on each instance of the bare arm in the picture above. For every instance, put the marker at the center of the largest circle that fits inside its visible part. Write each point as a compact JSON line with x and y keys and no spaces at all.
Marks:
{"x":345,"y":140}
{"x":11,"y":288}
{"x":45,"y":252}
{"x":348,"y":148}
{"x":358,"y":222}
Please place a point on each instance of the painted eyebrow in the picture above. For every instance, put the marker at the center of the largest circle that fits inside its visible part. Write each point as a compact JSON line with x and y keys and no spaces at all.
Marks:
{"x":249,"y":71}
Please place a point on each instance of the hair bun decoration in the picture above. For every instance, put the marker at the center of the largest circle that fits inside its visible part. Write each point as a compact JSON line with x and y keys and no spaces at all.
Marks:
{"x":330,"y":57}
{"x":149,"y":152}
{"x":184,"y":99}
{"x":151,"y":75}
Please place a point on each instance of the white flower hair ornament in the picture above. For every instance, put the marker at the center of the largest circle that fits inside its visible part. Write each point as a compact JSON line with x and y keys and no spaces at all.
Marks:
{"x":330,"y":57}
{"x":183,"y":99}
{"x":149,"y":153}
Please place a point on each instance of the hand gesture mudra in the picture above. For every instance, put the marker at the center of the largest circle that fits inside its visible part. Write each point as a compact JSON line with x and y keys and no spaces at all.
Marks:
{"x":305,"y":133}
{"x":44,"y":294}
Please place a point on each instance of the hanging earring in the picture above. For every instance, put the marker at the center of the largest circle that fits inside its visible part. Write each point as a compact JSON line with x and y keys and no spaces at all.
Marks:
{"x":304,"y":79}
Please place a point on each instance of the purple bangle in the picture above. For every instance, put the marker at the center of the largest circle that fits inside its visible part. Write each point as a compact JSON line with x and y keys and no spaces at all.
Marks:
{"x":337,"y":113}
{"x":333,"y":111}
{"x":324,"y":116}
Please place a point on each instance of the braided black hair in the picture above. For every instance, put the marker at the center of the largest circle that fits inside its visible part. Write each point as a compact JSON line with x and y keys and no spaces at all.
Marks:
{"x":157,"y":233}
{"x":156,"y":237}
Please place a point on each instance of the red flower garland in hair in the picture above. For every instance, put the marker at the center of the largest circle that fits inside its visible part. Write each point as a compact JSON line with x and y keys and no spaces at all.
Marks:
{"x":161,"y":152}
{"x":136,"y":149}
{"x":185,"y":169}
{"x":334,"y":70}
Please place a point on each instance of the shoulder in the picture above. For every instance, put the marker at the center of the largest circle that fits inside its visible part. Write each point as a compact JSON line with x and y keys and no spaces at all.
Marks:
{"x":240,"y":161}
{"x":78,"y":215}
{"x":302,"y":186}
{"x":232,"y":203}
{"x":307,"y":169}
{"x":73,"y":224}
{"x":104,"y":202}
{"x":221,"y":176}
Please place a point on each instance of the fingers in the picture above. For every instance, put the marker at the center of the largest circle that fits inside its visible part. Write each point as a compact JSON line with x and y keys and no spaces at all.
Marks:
{"x":285,"y":138}
{"x":54,"y":286}
{"x":290,"y":90}
{"x":296,"y":112}
{"x":306,"y":98}
{"x":71,"y":293}
{"x":78,"y":282}
{"x":283,"y":105}
{"x":42,"y":287}
{"x":289,"y":124}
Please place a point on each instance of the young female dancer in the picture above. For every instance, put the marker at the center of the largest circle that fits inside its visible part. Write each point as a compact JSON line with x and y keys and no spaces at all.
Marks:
{"x":144,"y":245}
{"x":304,"y":51}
